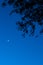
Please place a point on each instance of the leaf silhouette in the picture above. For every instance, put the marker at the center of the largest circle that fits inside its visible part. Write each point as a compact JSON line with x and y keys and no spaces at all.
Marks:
{"x":32,"y":11}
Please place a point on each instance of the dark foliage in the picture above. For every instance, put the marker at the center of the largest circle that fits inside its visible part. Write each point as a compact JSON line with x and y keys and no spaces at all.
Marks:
{"x":32,"y":14}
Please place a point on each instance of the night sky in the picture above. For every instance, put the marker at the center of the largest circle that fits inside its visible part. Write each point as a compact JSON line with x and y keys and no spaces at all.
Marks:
{"x":14,"y":49}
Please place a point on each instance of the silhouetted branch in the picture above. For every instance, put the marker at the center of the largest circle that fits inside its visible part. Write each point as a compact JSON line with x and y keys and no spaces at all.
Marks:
{"x":32,"y":11}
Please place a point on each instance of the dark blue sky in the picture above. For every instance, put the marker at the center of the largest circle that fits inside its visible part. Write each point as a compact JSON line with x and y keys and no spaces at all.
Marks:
{"x":18,"y":50}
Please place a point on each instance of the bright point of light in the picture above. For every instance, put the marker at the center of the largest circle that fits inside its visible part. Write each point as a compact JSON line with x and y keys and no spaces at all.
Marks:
{"x":8,"y":40}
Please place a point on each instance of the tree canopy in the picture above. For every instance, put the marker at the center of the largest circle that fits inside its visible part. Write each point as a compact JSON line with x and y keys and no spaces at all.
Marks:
{"x":32,"y":15}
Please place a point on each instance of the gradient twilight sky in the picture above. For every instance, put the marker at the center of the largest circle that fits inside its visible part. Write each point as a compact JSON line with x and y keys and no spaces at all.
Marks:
{"x":14,"y":49}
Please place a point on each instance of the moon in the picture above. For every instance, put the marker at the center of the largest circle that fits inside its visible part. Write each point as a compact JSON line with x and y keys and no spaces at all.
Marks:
{"x":8,"y":40}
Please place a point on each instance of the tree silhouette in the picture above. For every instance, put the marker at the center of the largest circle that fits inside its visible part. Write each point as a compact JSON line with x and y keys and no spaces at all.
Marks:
{"x":32,"y":15}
